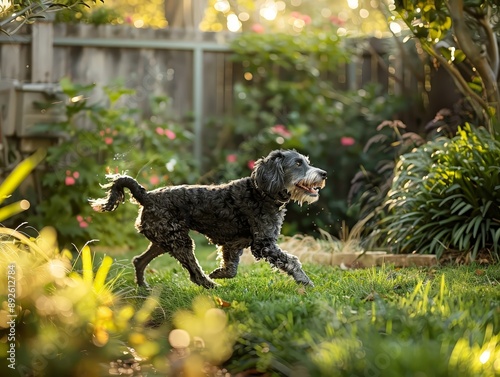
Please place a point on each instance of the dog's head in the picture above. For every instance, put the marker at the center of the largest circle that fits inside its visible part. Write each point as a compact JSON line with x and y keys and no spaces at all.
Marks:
{"x":286,"y":175}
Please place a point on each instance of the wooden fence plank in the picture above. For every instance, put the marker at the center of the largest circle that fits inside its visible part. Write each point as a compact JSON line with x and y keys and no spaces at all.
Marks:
{"x":42,"y":52}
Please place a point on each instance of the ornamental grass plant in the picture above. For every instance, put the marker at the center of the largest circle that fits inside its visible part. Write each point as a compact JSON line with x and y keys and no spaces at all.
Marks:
{"x":446,"y":197}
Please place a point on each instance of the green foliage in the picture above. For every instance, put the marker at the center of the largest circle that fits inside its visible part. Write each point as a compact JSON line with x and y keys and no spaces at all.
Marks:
{"x":445,"y":196}
{"x":106,"y":137}
{"x":15,"y":14}
{"x":289,"y":100}
{"x":460,"y":37}
{"x":95,"y":15}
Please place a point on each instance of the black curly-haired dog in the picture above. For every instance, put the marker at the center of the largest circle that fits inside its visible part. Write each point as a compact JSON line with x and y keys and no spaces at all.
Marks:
{"x":247,"y":212}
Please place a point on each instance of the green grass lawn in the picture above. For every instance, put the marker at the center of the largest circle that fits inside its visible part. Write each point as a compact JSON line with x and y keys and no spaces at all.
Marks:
{"x":384,"y":321}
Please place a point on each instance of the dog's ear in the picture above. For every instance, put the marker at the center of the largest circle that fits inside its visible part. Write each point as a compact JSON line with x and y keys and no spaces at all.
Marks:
{"x":268,"y":173}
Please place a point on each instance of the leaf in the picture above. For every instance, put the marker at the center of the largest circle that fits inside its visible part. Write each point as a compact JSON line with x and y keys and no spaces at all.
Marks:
{"x":370,"y":297}
{"x":459,"y":56}
{"x":446,"y":24}
{"x":475,"y":87}
{"x":87,"y":272}
{"x":102,"y":273}
{"x":484,"y":208}
{"x":434,"y":33}
{"x":13,"y":209}
{"x":222,"y":303}
{"x":477,"y":223}
{"x":465,"y":209}
{"x":18,"y":175}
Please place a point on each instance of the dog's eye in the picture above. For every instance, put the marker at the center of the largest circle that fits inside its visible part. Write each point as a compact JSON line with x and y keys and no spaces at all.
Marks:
{"x":298,"y":163}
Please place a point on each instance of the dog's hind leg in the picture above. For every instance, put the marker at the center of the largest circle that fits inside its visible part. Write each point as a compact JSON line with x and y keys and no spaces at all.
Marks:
{"x":182,"y":249}
{"x":141,"y":261}
{"x":229,"y":263}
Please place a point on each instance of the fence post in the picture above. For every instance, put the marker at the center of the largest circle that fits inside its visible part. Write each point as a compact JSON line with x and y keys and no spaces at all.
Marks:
{"x":42,"y":51}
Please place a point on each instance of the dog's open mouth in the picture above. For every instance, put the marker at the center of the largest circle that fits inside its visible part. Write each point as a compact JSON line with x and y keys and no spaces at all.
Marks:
{"x":311,"y":189}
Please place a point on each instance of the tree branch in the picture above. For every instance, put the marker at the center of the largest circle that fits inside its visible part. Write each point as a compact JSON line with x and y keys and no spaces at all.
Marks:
{"x":476,"y":100}
{"x":474,"y":54}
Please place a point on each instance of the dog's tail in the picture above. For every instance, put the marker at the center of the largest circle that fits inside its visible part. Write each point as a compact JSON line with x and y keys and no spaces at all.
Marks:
{"x":116,"y":194}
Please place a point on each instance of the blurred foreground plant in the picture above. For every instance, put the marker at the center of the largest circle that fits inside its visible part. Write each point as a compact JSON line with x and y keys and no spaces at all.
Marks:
{"x":60,"y":320}
{"x":12,"y":182}
{"x":66,"y":322}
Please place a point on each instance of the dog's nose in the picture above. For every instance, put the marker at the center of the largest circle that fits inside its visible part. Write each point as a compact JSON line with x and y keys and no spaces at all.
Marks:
{"x":322,"y":173}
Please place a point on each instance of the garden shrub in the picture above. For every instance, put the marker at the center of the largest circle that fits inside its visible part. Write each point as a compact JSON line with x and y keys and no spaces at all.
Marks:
{"x":100,"y":138}
{"x":289,"y":100}
{"x":446,"y":196}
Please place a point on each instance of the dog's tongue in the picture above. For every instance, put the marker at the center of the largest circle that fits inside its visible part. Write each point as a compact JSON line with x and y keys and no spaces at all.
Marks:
{"x":311,"y":190}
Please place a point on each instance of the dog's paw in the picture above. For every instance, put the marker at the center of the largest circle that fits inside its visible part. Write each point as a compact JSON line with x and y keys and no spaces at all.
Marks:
{"x":205,"y":282}
{"x":210,"y":285}
{"x":222,"y":273}
{"x":302,"y":278}
{"x":141,"y":284}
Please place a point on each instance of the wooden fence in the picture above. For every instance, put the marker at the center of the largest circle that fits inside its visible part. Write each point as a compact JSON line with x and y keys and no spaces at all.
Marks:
{"x":191,"y":67}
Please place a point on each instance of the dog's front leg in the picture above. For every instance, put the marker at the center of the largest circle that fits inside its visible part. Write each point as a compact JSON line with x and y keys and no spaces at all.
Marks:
{"x":280,"y":259}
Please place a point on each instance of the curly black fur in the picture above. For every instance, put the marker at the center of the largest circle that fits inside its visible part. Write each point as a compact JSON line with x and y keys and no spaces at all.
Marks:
{"x":247,"y":212}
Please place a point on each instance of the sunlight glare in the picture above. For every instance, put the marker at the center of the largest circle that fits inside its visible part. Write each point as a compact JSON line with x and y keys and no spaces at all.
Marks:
{"x":485,"y":356}
{"x":244,"y":16}
{"x":269,"y":11}
{"x":233,"y":23}
{"x":395,"y":27}
{"x":353,"y":4}
{"x":222,"y":6}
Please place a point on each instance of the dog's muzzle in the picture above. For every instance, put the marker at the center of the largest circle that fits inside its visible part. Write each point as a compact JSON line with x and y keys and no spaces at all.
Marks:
{"x":307,"y":189}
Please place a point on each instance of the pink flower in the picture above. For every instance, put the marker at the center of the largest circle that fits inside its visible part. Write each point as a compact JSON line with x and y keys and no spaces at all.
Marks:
{"x":108,"y":140}
{"x":129,"y":20}
{"x":101,"y":133}
{"x":257,"y":28}
{"x":281,"y":130}
{"x":79,"y":218}
{"x":76,"y":174}
{"x":69,"y":181}
{"x":307,"y":19}
{"x":159,"y":131}
{"x":347,"y":141}
{"x":83,"y":224}
{"x":170,"y":134}
{"x":251,"y":164}
{"x":232,"y":158}
{"x":154,"y":180}
{"x":337,"y":21}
